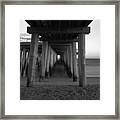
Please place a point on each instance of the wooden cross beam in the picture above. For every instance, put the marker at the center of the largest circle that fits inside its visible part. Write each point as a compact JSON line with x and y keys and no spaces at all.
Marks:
{"x":80,"y":30}
{"x":60,"y":42}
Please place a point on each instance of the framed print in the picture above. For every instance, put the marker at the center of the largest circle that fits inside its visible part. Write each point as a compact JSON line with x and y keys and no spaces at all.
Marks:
{"x":59,"y":60}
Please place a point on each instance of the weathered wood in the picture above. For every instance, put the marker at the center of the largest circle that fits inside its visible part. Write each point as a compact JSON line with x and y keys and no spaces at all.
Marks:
{"x":54,"y":57}
{"x":21,"y":57}
{"x":23,"y":62}
{"x":51,"y":58}
{"x":32,"y":59}
{"x":67,"y":56}
{"x":40,"y":66}
{"x":75,"y":67}
{"x":26,"y":64}
{"x":46,"y":54}
{"x":48,"y":62}
{"x":68,"y":59}
{"x":81,"y":30}
{"x":59,"y":42}
{"x":66,"y":41}
{"x":43,"y":59}
{"x":64,"y":57}
{"x":71,"y":60}
{"x":51,"y":61}
{"x":81,"y":60}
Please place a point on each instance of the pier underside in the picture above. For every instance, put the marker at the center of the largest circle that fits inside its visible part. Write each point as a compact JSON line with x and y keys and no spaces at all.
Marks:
{"x":51,"y":68}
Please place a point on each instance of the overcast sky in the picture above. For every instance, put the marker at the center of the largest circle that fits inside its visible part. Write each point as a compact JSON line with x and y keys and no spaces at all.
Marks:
{"x":92,"y":40}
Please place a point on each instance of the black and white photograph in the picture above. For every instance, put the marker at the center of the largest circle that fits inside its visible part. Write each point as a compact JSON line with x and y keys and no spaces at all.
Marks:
{"x":59,"y":60}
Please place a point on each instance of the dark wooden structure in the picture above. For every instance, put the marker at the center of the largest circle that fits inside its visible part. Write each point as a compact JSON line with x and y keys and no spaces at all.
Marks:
{"x":58,"y":37}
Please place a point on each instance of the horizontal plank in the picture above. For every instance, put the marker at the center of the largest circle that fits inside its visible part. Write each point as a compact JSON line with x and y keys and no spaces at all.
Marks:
{"x":81,"y":30}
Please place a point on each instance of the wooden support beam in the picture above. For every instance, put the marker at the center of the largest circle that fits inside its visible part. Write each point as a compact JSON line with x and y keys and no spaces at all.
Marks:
{"x":54,"y":57}
{"x":46,"y":54}
{"x":80,"y":30}
{"x":51,"y":61}
{"x":48,"y":61}
{"x":81,"y":60}
{"x":64,"y":57}
{"x":75,"y":68}
{"x":43,"y":59}
{"x":21,"y":57}
{"x":39,"y":66}
{"x":59,"y":44}
{"x":67,"y":41}
{"x":51,"y":58}
{"x":71,"y":60}
{"x":32,"y":58}
{"x":26,"y":63}
{"x":67,"y":54}
{"x":22,"y":44}
{"x":23,"y":62}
